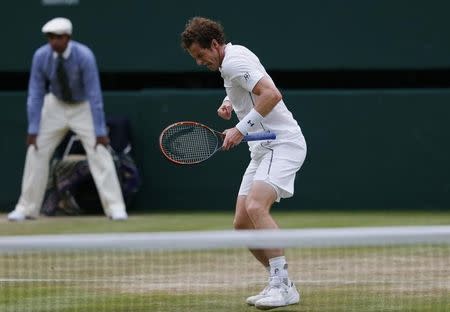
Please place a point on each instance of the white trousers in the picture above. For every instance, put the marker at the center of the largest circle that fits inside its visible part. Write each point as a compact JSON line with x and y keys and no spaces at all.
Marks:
{"x":57,"y":118}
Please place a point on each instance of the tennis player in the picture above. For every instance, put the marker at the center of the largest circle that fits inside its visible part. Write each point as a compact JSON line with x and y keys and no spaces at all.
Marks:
{"x":270,"y":175}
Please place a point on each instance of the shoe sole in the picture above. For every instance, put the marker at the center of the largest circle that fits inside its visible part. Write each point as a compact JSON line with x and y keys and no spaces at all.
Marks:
{"x":21,"y":219}
{"x":259,"y":307}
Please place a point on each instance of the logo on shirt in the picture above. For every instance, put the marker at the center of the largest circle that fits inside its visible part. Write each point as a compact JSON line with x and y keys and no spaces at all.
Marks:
{"x":246,"y":76}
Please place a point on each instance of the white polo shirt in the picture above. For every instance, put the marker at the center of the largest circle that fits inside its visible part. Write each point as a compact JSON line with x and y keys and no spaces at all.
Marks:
{"x":241,"y":70}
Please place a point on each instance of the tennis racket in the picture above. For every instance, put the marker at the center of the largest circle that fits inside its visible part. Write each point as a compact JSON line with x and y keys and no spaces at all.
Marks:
{"x":188,"y":142}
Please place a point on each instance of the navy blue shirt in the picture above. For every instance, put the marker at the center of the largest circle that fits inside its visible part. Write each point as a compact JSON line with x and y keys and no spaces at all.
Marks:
{"x":83,"y":78}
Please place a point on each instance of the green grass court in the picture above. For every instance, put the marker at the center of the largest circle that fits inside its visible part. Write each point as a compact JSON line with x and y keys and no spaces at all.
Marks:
{"x":199,"y":221}
{"x":394,"y":278}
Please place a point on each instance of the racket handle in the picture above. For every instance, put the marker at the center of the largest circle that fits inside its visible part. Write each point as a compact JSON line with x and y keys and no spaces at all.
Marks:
{"x":260,"y":136}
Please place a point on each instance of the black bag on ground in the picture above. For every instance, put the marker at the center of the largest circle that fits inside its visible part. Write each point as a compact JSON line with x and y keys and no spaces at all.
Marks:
{"x":71,"y":189}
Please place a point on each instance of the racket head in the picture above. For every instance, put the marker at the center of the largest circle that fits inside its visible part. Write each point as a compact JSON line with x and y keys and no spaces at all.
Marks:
{"x":189,"y":142}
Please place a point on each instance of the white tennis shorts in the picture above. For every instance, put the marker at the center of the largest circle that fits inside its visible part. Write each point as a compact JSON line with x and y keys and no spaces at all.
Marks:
{"x":275,"y":163}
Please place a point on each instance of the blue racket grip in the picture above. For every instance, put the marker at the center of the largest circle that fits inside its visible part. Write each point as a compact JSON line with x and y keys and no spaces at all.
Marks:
{"x":259,"y":136}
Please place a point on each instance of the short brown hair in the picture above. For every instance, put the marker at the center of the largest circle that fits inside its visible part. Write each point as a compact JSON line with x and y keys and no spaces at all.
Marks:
{"x":202,"y":30}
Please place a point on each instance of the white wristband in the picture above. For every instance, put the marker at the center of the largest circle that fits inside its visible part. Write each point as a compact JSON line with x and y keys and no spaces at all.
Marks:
{"x":249,"y":121}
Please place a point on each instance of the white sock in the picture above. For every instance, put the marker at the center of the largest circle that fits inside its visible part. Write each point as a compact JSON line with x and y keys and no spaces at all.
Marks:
{"x":278,"y":267}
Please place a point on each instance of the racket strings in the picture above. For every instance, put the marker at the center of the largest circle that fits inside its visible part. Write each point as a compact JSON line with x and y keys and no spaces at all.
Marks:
{"x":189,"y":143}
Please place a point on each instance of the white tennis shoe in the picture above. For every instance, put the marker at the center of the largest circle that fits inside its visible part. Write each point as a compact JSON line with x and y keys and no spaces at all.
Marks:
{"x":252,"y":299}
{"x":119,"y":216}
{"x":18,"y":216}
{"x":278,"y":295}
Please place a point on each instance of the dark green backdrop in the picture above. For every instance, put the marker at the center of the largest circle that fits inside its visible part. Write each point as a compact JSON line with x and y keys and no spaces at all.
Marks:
{"x":142,"y":35}
{"x":366,"y":149}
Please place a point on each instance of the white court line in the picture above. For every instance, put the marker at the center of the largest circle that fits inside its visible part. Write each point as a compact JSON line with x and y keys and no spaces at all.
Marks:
{"x":66,"y":280}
